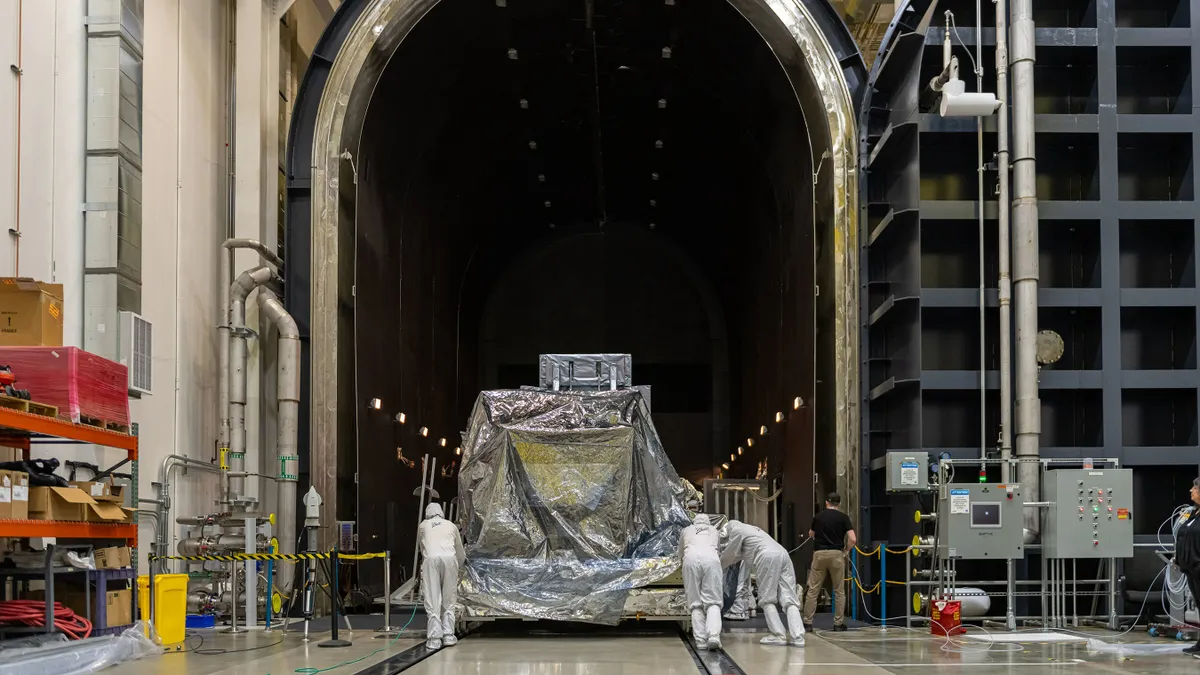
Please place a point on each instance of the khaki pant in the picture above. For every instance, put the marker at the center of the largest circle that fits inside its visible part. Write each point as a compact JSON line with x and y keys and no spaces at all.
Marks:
{"x":832,"y":563}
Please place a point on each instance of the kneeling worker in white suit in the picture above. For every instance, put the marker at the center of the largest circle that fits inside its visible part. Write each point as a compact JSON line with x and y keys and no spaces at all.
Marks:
{"x":442,"y":548}
{"x":702,"y":580}
{"x":776,"y":579}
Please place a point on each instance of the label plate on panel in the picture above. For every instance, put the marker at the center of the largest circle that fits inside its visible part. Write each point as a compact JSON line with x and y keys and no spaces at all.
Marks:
{"x":960,"y":501}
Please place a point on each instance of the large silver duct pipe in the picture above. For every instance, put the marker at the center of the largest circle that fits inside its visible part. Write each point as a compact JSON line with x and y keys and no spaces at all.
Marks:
{"x":223,"y":324}
{"x":238,"y":292}
{"x":221,"y":544}
{"x":288,"y":397}
{"x":1025,"y":255}
{"x":1004,"y":245}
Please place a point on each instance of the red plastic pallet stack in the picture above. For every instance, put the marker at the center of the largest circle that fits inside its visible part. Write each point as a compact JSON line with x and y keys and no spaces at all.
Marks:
{"x":80,"y":384}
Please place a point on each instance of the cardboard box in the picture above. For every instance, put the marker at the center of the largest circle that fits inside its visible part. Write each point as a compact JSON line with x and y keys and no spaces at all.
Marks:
{"x":95,"y":490}
{"x":59,"y":503}
{"x":116,"y":494}
{"x":5,"y":495}
{"x":112,"y":558}
{"x":119,"y":607}
{"x":106,"y":512}
{"x":31,"y":313}
{"x":20,"y":495}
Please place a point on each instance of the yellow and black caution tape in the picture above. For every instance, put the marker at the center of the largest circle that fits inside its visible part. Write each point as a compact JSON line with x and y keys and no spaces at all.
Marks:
{"x":284,"y":557}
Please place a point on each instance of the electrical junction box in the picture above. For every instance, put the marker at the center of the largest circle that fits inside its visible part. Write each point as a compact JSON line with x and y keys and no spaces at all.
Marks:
{"x":981,"y":521}
{"x":1090,"y":515}
{"x":907,"y":471}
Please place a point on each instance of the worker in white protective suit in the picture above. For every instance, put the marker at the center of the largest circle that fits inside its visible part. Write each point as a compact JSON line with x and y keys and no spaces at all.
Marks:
{"x":702,"y":580}
{"x":776,"y":577}
{"x":442,"y":548}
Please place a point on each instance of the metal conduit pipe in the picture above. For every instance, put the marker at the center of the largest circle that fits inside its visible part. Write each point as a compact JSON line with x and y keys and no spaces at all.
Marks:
{"x":1025,"y":255}
{"x":1003,"y":244}
{"x":287,"y":457}
{"x":169,"y":464}
{"x":223,"y":327}
{"x":238,"y":292}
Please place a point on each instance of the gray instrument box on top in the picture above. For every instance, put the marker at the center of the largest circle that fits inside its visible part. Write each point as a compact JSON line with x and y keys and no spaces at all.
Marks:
{"x":1091,"y":513}
{"x":907,"y":471}
{"x":981,"y":521}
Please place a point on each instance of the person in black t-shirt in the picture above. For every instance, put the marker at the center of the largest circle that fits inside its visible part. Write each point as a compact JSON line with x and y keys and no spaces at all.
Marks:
{"x":833,"y":535}
{"x":1187,"y":551}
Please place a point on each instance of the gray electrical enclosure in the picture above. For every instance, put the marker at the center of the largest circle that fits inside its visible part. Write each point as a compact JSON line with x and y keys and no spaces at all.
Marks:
{"x":1091,"y":514}
{"x":907,"y":471}
{"x":981,"y":521}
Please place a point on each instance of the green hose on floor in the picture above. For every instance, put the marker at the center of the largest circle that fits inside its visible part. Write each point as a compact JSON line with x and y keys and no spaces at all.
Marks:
{"x":315,"y":671}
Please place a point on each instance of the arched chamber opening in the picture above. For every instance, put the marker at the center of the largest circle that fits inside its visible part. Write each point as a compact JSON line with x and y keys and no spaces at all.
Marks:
{"x":583,"y":176}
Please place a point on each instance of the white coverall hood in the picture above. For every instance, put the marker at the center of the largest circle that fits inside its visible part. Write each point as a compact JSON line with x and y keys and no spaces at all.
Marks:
{"x":434,"y":510}
{"x":701,"y":519}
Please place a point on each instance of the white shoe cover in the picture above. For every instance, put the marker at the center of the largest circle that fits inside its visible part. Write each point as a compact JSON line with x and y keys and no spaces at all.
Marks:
{"x":797,"y":642}
{"x":714,"y":644}
{"x":433,"y":644}
{"x":449,"y":640}
{"x":774,"y":640}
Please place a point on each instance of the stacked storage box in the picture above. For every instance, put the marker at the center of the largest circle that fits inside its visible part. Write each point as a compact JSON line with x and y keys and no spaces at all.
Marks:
{"x":84,"y":387}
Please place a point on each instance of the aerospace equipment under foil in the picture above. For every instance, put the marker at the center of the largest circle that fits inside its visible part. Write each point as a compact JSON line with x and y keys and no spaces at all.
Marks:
{"x":569,"y":505}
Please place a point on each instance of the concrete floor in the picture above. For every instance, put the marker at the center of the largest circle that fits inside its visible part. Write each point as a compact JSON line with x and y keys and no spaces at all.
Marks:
{"x":271,"y":654}
{"x":859,"y":652}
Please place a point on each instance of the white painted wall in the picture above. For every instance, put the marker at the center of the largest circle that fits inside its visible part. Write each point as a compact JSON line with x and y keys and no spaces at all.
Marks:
{"x":185,"y":178}
{"x":184,"y":193}
{"x":184,"y":172}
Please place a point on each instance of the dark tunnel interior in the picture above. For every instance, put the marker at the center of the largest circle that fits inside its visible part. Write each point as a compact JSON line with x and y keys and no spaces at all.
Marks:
{"x":582,"y":176}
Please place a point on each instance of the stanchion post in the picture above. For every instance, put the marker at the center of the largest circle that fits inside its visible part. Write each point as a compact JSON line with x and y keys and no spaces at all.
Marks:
{"x":269,"y":595}
{"x":883,"y":554}
{"x":387,"y":629}
{"x":907,"y":588}
{"x":334,"y":594}
{"x":853,"y":580}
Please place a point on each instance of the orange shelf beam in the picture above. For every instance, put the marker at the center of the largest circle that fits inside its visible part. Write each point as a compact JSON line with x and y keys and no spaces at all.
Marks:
{"x":15,"y":422}
{"x":68,"y":530}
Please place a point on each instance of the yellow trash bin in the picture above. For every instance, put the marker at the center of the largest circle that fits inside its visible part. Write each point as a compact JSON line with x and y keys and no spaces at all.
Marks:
{"x":170,"y":605}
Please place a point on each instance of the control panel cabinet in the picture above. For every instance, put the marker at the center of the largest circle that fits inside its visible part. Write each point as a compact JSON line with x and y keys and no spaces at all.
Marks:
{"x":907,"y":471}
{"x":981,"y":521}
{"x":1090,"y":513}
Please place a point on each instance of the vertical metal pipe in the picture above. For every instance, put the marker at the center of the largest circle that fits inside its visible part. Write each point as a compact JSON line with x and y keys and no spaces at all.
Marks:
{"x":982,"y":201}
{"x":223,"y":339}
{"x":1004,"y":248}
{"x":1010,"y":614}
{"x":287,"y":395}
{"x":1113,"y":621}
{"x":251,"y":571}
{"x":1075,"y":592}
{"x":240,"y":289}
{"x":1025,"y":254}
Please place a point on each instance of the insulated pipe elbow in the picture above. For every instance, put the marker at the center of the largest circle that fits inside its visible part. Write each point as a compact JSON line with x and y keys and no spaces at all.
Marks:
{"x":255,"y":245}
{"x":248,"y":281}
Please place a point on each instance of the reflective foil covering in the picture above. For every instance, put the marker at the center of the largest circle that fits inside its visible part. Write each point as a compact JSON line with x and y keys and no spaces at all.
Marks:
{"x":568,"y":503}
